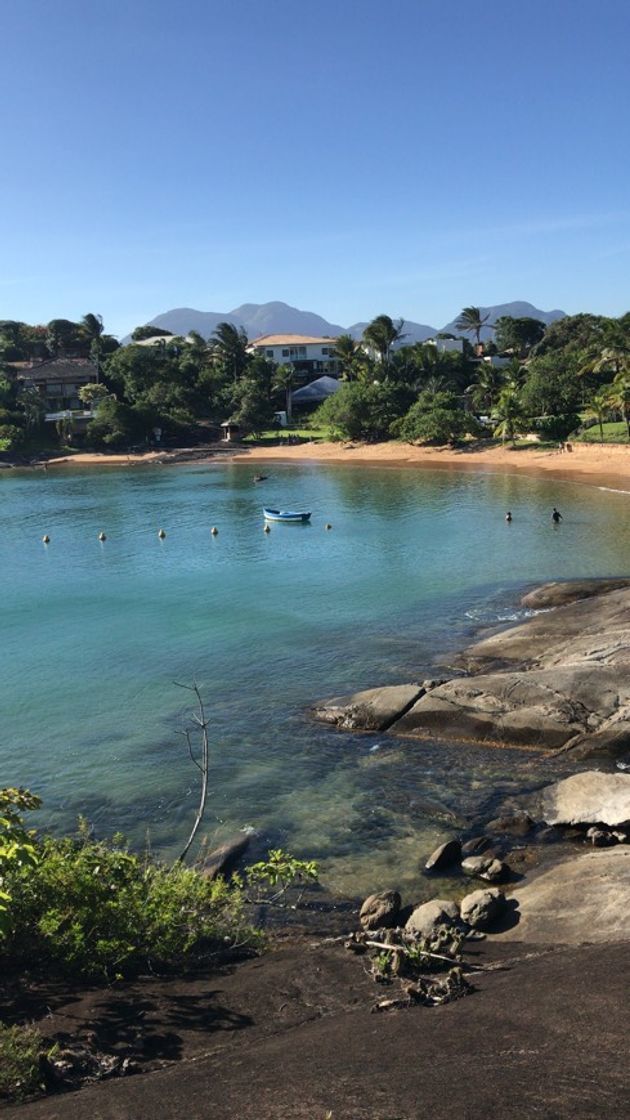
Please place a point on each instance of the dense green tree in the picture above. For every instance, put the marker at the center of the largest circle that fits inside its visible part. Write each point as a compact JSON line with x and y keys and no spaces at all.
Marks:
{"x":62,"y":336}
{"x":552,"y":386}
{"x":619,"y":396}
{"x":362,"y":410}
{"x":139,"y":334}
{"x":488,"y":383}
{"x":599,"y":409}
{"x":471,"y":321}
{"x":573,"y":334}
{"x":436,"y":418}
{"x":518,"y":335}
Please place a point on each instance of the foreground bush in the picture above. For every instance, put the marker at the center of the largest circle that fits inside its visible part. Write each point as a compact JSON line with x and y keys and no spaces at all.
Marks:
{"x":20,"y":1049}
{"x":94,"y":910}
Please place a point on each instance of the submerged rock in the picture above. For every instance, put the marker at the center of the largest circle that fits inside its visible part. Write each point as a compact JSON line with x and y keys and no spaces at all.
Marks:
{"x":429,"y":916}
{"x":225,"y":858}
{"x":445,"y":856}
{"x":476,"y":845}
{"x":380,"y":911}
{"x":591,"y":797}
{"x":515,"y":824}
{"x":558,"y":594}
{"x":371,"y":710}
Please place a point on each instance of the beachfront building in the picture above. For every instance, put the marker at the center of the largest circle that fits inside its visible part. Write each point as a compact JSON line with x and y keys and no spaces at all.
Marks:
{"x":58,"y":381}
{"x":309,"y":356}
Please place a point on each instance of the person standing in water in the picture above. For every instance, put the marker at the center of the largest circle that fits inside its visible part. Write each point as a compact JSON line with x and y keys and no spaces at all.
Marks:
{"x":556,"y":517}
{"x":508,"y":516}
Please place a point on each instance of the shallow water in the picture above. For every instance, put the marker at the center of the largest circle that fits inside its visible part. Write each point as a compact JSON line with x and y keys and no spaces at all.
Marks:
{"x":94,"y":635}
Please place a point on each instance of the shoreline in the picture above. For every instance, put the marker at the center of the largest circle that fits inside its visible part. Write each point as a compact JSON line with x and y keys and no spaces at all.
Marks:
{"x":606,"y":466}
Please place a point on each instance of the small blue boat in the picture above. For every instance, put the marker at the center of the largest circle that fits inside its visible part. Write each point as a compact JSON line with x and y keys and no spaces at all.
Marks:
{"x":286,"y":515}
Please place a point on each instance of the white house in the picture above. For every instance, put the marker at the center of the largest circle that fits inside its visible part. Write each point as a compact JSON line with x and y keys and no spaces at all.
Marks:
{"x":446,"y":345}
{"x":309,"y":356}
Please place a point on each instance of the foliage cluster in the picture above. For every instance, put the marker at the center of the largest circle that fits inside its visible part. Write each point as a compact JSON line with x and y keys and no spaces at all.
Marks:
{"x":20,"y":1051}
{"x":95,"y":910}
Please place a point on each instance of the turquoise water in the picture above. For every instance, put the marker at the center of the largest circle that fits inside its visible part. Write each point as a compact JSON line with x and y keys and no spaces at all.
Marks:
{"x":94,"y":635}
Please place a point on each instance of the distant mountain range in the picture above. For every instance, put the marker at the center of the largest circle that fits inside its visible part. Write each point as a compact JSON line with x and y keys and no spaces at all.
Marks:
{"x":279,"y":318}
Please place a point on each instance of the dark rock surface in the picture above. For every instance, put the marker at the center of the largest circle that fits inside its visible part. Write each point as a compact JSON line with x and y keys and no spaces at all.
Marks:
{"x":371,"y":710}
{"x":558,"y":594}
{"x":226,"y":857}
{"x":291,"y":1037}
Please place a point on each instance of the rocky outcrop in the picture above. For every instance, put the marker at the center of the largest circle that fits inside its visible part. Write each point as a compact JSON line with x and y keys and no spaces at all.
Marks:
{"x":486,"y":867}
{"x":224,"y":859}
{"x":380,"y":911}
{"x":561,"y":680}
{"x":590,"y":798}
{"x":558,"y":594}
{"x":372,"y":710}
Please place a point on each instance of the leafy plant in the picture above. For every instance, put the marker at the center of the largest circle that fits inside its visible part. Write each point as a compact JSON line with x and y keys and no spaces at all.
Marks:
{"x":281,"y":870}
{"x":17,"y":848}
{"x":93,"y":910}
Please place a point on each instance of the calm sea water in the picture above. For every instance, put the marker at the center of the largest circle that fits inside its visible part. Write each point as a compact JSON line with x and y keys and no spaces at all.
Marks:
{"x":94,"y":635}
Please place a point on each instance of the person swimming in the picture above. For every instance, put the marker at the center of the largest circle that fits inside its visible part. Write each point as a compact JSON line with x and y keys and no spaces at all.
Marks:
{"x":508,"y":516}
{"x":556,"y":517}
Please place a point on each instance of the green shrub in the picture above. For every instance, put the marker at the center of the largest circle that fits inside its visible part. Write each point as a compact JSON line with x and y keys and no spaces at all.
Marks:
{"x":94,"y":910}
{"x":20,"y":1049}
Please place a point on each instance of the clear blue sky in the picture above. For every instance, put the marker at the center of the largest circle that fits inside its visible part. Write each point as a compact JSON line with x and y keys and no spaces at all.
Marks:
{"x":346,"y":157}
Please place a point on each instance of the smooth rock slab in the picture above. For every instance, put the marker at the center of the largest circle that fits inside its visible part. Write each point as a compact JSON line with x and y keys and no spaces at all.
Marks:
{"x":558,"y":594}
{"x":584,"y":899}
{"x":374,"y":709}
{"x":588,"y":798}
{"x":427,"y":918}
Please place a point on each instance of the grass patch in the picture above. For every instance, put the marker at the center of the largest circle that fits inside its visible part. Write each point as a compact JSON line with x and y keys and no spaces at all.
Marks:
{"x":274,"y":435}
{"x":614,"y":432}
{"x":20,"y":1049}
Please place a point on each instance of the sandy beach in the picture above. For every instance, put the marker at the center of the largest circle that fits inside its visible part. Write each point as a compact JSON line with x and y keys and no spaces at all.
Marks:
{"x":594,"y":464}
{"x":607,"y":465}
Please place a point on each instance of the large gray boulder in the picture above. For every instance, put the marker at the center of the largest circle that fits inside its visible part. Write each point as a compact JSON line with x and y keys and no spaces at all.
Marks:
{"x":583,"y":899}
{"x":429,"y":916}
{"x":480,"y":909}
{"x":380,"y":911}
{"x":371,"y":710}
{"x":589,"y":798}
{"x":445,"y":856}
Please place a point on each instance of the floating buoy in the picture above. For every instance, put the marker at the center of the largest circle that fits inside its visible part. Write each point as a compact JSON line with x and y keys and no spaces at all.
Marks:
{"x":102,"y":537}
{"x":266,"y":529}
{"x":46,"y":539}
{"x":161,"y":534}
{"x":214,"y":530}
{"x":328,"y":525}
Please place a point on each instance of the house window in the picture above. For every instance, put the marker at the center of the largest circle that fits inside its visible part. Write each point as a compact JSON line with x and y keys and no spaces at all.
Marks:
{"x":54,"y":390}
{"x":325,"y":350}
{"x":302,"y":351}
{"x":269,"y":353}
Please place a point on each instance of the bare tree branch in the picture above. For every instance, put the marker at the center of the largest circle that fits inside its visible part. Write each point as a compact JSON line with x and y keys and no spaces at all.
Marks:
{"x":199,"y":718}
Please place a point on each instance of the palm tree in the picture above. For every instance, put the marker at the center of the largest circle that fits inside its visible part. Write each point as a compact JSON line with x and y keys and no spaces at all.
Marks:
{"x":91,"y":327}
{"x":285,"y":379}
{"x":471,"y":321}
{"x":509,"y":413}
{"x":230,"y":347}
{"x":346,"y":351}
{"x":598,"y":409}
{"x":485,"y":389}
{"x":619,"y":396}
{"x":381,"y":334}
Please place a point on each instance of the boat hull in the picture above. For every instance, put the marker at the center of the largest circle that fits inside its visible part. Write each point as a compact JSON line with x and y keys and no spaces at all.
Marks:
{"x":288,"y":515}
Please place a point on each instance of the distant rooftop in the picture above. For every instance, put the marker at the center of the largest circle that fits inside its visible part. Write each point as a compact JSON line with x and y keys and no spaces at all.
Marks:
{"x":289,"y":340}
{"x":59,"y":369}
